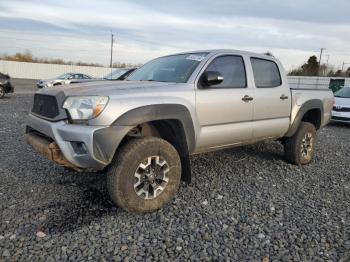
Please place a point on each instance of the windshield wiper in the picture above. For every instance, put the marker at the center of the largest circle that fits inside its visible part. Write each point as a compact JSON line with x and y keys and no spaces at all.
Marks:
{"x":152,"y":80}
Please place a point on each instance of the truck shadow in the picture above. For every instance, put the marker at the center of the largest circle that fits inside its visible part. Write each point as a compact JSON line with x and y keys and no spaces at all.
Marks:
{"x":262,"y":151}
{"x":90,"y":202}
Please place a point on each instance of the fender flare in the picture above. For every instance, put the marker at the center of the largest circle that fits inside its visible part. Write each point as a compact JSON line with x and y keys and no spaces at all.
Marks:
{"x":309,"y":105}
{"x":155,"y":112}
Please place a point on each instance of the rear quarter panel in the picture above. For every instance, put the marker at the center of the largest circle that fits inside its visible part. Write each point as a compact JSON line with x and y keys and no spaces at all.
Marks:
{"x":301,"y":96}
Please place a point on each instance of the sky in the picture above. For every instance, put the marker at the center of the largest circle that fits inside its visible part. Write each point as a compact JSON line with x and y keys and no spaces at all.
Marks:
{"x":79,"y":30}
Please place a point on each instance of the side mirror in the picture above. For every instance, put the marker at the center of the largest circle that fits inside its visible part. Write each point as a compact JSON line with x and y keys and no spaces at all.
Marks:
{"x":211,"y":78}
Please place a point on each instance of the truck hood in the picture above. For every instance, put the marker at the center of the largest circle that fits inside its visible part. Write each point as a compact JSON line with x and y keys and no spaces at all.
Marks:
{"x":106,"y":88}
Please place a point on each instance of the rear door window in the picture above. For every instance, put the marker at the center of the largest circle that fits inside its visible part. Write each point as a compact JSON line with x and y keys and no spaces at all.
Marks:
{"x":266,"y":73}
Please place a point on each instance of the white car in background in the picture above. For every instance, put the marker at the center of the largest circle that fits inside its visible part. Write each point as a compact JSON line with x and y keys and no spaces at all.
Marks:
{"x":64,"y":79}
{"x":341,"y":108}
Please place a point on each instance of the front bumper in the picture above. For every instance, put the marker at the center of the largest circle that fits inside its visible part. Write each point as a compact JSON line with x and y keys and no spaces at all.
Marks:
{"x":81,"y":146}
{"x":343,"y":117}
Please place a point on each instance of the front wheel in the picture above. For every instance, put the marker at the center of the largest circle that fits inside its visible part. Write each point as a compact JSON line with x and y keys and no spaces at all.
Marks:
{"x":144,"y":175}
{"x":2,"y":92}
{"x":299,"y":149}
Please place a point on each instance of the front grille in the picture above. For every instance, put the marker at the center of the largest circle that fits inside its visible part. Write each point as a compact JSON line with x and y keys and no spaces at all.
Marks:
{"x":341,"y":109}
{"x":341,"y":118}
{"x":45,"y":105}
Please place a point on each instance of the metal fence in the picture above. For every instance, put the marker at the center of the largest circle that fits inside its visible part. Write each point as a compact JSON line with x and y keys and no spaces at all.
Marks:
{"x":44,"y":71}
{"x":307,"y":82}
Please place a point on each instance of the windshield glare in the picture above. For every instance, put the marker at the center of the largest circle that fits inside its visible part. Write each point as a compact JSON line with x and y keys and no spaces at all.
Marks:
{"x":175,"y":68}
{"x":116,"y":74}
{"x":344,"y":92}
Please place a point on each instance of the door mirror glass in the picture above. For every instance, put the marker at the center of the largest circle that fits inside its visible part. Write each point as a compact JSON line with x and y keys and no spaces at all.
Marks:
{"x":211,"y":78}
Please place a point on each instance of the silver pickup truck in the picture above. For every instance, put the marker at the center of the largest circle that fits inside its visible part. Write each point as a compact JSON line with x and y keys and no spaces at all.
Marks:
{"x":142,"y":131}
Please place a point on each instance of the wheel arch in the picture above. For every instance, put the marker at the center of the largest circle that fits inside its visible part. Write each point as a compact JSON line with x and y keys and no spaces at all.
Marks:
{"x":311,"y":112}
{"x":172,"y":122}
{"x":161,"y":112}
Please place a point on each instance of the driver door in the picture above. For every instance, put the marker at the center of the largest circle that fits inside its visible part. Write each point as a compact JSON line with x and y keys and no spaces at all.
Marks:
{"x":225,"y":110}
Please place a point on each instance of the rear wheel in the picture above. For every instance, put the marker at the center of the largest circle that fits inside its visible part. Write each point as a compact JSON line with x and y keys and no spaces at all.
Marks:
{"x":144,"y":175}
{"x":2,"y":92}
{"x":299,"y":149}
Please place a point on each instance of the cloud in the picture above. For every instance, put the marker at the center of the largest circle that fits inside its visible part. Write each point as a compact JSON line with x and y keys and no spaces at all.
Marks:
{"x":80,"y":30}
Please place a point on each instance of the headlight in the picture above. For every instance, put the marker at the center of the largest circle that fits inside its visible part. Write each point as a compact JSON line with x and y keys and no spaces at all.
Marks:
{"x":85,"y":107}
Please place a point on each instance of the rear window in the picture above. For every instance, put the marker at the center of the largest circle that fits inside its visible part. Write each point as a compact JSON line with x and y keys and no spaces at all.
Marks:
{"x":266,"y":73}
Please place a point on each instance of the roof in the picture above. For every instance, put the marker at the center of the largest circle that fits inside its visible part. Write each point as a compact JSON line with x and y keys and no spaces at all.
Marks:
{"x":234,"y":51}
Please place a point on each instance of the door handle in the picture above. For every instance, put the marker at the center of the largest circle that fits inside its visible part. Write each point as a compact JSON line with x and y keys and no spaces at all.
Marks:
{"x":283,"y":96}
{"x":247,"y":98}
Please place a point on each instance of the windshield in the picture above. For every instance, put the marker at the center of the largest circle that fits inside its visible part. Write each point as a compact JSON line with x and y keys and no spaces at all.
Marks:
{"x":116,"y":74}
{"x":344,"y":92}
{"x":64,"y":76}
{"x":175,"y":68}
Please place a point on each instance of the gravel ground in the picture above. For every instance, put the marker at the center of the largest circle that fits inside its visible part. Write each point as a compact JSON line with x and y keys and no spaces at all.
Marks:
{"x":244,"y":204}
{"x":24,"y":86}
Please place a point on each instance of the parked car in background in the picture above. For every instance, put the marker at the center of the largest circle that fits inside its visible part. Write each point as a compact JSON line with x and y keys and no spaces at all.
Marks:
{"x":5,"y":85}
{"x":145,"y":128}
{"x":341,"y":107}
{"x":119,"y":74}
{"x":64,"y":79}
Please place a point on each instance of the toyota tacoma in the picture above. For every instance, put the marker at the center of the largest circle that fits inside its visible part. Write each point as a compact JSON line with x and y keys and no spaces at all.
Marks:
{"x":142,"y":131}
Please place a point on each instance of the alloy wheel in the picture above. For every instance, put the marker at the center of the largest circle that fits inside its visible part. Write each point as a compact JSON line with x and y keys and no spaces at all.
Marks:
{"x":307,"y":145}
{"x":151,"y":177}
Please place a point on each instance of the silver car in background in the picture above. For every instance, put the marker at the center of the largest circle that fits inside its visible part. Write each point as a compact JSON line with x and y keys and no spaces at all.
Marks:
{"x":341,"y":108}
{"x":64,"y":79}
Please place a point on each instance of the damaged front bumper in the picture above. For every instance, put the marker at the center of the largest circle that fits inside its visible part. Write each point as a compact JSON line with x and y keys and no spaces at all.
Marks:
{"x":49,"y":149}
{"x":80,"y":147}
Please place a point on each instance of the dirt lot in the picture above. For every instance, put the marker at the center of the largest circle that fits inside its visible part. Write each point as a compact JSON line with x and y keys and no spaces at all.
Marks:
{"x":243,"y":204}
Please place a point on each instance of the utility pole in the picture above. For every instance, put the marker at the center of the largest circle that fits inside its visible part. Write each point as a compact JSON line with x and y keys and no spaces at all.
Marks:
{"x":326,"y":69}
{"x":319,"y":69}
{"x":342,"y":67}
{"x":112,"y":40}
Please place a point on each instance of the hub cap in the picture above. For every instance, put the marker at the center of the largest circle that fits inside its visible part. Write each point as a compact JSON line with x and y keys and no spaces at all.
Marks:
{"x":151,"y":177}
{"x":2,"y":92}
{"x":306,"y":145}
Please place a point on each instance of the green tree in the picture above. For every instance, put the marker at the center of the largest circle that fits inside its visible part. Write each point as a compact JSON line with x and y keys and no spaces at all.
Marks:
{"x":338,"y":73}
{"x":311,"y":68}
{"x":347,"y":72}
